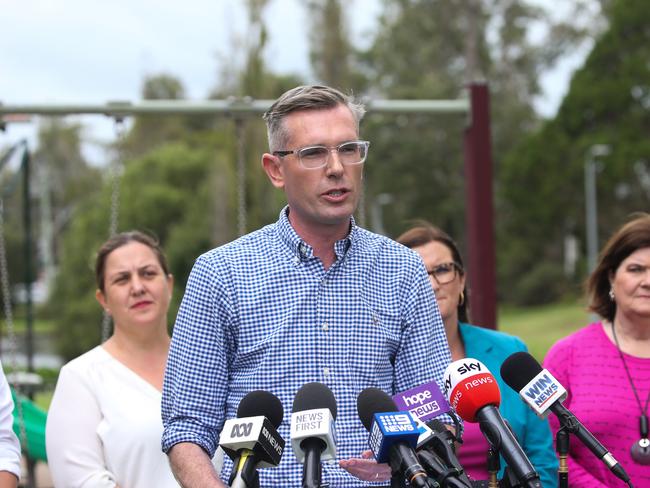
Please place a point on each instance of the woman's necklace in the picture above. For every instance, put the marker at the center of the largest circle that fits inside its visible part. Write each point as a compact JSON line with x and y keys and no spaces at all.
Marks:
{"x":640,"y":449}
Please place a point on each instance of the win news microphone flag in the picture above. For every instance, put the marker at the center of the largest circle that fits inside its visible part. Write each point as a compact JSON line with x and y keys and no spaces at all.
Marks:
{"x":474,"y":393}
{"x":251,"y":440}
{"x":313,"y":433}
{"x":544,"y":394}
{"x":393,"y":436}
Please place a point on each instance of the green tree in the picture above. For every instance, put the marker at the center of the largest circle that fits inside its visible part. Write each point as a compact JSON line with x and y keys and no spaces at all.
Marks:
{"x":430,"y":49}
{"x":542,"y":181}
{"x":180,"y":193}
{"x":331,"y":52}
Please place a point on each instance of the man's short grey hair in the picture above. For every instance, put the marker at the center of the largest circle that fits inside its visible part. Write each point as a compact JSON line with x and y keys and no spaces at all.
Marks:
{"x":308,"y":97}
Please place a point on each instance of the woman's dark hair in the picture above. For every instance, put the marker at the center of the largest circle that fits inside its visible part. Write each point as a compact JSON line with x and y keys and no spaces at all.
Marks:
{"x":632,"y":236}
{"x":423,"y":233}
{"x":119,"y":240}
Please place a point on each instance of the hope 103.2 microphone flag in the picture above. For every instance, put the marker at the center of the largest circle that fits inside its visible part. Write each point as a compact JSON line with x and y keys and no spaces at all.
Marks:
{"x":424,"y":402}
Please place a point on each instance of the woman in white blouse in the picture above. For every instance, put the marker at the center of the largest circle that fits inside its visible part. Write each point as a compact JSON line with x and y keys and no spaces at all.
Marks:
{"x":104,"y":425}
{"x":9,"y":445}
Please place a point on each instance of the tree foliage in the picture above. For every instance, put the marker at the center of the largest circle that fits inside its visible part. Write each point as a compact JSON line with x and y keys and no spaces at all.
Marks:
{"x":176,"y":193}
{"x":542,"y":180}
{"x":181,"y":179}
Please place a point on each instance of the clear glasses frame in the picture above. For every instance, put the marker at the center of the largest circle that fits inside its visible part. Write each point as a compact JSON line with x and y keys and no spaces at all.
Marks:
{"x":315,"y":157}
{"x":444,"y":273}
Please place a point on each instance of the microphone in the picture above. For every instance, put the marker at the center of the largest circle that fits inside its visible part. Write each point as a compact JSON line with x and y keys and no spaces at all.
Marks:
{"x":543,"y":393}
{"x":425,"y":402}
{"x":473,"y":392}
{"x":442,"y":443}
{"x":393,"y":435}
{"x":313,"y":434}
{"x":251,"y":440}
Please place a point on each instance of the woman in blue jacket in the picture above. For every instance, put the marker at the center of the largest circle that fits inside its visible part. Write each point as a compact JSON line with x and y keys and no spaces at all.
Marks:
{"x":447,"y":275}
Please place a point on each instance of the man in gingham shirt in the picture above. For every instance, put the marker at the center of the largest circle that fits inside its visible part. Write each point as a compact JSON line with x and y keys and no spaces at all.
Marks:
{"x":312,"y":297}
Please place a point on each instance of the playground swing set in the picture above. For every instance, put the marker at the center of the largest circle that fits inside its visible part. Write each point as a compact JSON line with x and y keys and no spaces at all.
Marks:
{"x":30,"y":419}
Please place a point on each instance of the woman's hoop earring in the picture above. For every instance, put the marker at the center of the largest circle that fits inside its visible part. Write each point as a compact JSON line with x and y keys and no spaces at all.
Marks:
{"x":462,"y":297}
{"x":611,"y":294}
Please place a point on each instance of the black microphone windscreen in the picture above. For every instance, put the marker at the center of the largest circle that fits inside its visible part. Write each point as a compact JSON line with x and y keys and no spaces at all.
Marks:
{"x":436,"y":426}
{"x":372,"y":401}
{"x":314,"y":395}
{"x":518,"y":369}
{"x":260,"y":402}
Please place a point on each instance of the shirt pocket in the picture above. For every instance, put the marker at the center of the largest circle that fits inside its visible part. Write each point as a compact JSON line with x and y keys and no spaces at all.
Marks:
{"x":374,"y":344}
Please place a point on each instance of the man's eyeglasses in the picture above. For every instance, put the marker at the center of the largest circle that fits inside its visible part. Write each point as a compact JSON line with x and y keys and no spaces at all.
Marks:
{"x":444,"y":273}
{"x":314,"y":157}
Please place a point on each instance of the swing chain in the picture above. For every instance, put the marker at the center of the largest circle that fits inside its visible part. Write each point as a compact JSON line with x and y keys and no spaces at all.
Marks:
{"x":116,"y":170}
{"x":241,"y":176}
{"x":115,"y":176}
{"x":9,"y":320}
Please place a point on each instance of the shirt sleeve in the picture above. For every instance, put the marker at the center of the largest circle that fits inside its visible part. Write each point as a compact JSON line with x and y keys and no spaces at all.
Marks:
{"x":424,"y":352}
{"x":195,"y":386}
{"x":74,"y":450}
{"x":9,"y":445}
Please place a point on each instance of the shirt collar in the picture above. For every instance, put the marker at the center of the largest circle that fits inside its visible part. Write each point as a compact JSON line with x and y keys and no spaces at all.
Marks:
{"x":300,"y":249}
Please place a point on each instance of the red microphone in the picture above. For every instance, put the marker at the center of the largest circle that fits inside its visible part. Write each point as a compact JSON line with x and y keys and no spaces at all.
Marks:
{"x":474,"y":393}
{"x":469,"y":386}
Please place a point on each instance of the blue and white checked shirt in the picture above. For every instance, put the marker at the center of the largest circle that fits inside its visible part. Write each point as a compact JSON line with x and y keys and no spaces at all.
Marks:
{"x":261,"y":313}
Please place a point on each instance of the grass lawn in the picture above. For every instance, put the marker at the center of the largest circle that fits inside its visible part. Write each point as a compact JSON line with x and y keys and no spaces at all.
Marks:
{"x":540,"y":327}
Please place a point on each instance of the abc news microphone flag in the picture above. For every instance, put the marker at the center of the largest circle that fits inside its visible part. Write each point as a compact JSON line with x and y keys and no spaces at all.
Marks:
{"x":251,"y":440}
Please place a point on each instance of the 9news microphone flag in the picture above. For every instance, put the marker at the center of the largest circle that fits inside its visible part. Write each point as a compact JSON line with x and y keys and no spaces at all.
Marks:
{"x":251,"y":440}
{"x":393,"y":435}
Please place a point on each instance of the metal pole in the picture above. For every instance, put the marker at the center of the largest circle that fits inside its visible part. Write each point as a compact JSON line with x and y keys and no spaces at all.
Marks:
{"x":591,"y":203}
{"x":29,"y":307}
{"x":479,"y":222}
{"x":235,"y":106}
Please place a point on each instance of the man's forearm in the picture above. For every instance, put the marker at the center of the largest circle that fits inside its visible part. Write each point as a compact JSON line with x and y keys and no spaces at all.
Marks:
{"x":8,"y":480}
{"x":192,"y":467}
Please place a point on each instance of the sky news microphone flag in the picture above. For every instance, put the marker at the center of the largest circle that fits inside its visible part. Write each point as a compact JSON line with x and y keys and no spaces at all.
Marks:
{"x":544,"y":394}
{"x":473,"y":392}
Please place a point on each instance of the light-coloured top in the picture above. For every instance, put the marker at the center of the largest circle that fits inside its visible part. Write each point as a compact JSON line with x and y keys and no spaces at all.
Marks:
{"x":9,"y":445}
{"x":104,"y":427}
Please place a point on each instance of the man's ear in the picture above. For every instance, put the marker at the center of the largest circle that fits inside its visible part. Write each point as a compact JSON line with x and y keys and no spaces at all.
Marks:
{"x":273,"y":169}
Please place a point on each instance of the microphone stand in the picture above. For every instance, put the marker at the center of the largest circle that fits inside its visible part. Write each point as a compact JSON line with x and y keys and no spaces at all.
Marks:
{"x":247,"y":476}
{"x":493,"y":467}
{"x":562,"y":447}
{"x":312,"y":470}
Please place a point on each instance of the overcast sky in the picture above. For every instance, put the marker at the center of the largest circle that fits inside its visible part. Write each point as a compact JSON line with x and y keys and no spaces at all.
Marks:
{"x":94,"y":51}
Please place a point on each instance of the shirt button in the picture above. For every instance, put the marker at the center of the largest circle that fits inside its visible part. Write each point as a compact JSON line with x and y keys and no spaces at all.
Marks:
{"x":326,"y":371}
{"x":326,"y":327}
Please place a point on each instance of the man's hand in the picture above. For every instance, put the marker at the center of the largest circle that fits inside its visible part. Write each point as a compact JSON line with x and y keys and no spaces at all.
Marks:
{"x":366,"y":468}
